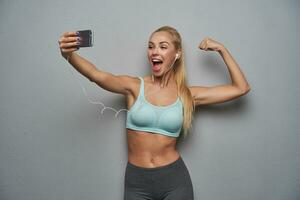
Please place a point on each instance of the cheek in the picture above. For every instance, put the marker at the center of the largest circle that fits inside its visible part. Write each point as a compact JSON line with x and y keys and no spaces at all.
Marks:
{"x":168,"y":56}
{"x":148,"y":55}
{"x":169,"y":52}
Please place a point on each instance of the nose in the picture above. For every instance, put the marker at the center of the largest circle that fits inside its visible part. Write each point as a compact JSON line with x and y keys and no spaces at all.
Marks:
{"x":154,"y":51}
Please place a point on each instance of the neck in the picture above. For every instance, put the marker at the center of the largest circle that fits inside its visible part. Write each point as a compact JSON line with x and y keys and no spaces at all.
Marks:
{"x":165,"y":79}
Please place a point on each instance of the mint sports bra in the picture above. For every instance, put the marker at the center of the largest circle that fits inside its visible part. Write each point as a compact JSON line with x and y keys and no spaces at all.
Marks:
{"x":144,"y":116}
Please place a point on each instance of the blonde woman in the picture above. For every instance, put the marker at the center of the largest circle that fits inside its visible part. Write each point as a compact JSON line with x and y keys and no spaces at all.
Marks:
{"x":160,"y":108}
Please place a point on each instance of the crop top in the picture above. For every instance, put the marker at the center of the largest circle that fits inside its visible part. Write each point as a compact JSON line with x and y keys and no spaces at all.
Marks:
{"x":144,"y":116}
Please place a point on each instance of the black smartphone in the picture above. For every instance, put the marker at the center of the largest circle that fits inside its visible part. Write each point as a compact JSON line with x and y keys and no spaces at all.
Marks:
{"x":86,"y":38}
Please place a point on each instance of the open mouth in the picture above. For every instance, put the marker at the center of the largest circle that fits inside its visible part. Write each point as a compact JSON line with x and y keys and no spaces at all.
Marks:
{"x":156,"y":64}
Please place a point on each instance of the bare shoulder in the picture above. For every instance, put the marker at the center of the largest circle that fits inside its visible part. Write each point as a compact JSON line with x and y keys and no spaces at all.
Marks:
{"x":147,"y":79}
{"x":132,"y":83}
{"x":133,"y":88}
{"x":131,"y":80}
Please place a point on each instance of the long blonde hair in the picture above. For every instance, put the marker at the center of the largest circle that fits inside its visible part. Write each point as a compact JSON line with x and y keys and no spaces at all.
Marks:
{"x":182,"y":87}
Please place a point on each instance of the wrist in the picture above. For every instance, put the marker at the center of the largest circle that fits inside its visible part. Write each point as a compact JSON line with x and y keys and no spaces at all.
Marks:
{"x":222,"y":49}
{"x":67,"y":56}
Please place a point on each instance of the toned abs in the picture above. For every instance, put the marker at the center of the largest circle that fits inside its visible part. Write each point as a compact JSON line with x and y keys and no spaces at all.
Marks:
{"x":150,"y":150}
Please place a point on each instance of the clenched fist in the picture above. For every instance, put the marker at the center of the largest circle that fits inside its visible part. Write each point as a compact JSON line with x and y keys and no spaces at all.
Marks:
{"x":209,"y":44}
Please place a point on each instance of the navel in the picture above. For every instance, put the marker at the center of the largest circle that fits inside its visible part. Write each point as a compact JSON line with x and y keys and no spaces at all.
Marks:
{"x":152,"y":160}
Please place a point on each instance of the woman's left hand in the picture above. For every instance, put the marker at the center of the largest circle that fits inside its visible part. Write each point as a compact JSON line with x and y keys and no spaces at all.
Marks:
{"x":209,"y":44}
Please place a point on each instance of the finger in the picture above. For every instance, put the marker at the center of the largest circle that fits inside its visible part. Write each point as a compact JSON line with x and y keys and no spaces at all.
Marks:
{"x":68,"y":34}
{"x":205,"y":45}
{"x":67,"y":40}
{"x":202,"y":43}
{"x":200,"y":46}
{"x":69,"y":45}
{"x":72,"y":39}
{"x":65,"y":45}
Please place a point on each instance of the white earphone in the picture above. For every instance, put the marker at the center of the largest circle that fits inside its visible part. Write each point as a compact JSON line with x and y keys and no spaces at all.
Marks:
{"x":176,"y":56}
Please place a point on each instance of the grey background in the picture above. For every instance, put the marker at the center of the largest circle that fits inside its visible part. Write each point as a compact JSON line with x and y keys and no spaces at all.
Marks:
{"x":54,"y":144}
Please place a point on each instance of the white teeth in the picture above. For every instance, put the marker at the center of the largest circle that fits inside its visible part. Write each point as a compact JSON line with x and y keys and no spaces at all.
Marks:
{"x":156,"y":60}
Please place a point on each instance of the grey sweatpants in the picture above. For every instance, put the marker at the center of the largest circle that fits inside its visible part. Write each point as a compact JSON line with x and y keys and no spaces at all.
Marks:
{"x":169,"y":182}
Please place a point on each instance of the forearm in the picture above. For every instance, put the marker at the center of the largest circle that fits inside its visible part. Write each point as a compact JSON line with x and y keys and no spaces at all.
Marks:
{"x":82,"y":65}
{"x":237,"y":77}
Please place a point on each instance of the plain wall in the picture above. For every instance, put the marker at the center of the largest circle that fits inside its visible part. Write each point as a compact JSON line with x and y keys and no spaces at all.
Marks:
{"x":55,"y":144}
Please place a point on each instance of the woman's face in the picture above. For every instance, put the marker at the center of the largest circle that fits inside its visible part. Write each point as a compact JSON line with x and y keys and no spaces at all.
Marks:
{"x":161,"y":52}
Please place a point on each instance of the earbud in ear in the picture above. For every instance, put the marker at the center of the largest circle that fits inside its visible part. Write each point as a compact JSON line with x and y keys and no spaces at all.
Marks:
{"x":176,"y":56}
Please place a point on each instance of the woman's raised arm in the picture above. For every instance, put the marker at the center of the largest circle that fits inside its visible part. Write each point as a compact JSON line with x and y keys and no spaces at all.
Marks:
{"x":69,"y":43}
{"x":221,"y":93}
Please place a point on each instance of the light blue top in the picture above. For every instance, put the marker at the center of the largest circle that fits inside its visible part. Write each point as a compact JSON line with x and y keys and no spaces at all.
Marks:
{"x":144,"y":116}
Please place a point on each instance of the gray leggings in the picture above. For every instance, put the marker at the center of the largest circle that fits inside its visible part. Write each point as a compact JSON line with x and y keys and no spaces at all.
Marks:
{"x":169,"y":182}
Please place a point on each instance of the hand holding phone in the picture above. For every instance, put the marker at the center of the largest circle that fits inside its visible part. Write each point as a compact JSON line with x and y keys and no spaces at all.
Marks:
{"x":72,"y":41}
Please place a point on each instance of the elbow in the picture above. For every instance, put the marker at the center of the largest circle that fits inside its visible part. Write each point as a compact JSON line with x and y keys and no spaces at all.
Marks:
{"x":245,"y":90}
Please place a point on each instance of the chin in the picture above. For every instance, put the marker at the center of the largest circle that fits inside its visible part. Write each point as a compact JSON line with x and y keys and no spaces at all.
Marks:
{"x":157,"y":75}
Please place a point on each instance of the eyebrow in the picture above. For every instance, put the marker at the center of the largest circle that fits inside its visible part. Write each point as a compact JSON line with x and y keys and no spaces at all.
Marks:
{"x":160,"y":42}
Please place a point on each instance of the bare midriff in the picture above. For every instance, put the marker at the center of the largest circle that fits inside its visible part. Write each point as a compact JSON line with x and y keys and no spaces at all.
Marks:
{"x":150,"y":150}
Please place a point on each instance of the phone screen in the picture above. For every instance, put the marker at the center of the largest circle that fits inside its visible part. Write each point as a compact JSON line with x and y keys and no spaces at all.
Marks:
{"x":86,"y":38}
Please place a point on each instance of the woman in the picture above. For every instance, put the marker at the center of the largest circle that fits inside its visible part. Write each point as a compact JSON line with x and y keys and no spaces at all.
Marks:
{"x":160,"y":108}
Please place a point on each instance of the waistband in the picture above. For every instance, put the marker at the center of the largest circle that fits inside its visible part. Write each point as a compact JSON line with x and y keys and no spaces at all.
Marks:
{"x":176,"y":163}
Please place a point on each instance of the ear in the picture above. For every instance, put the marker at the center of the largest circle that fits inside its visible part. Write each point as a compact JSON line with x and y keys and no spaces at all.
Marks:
{"x":178,"y":53}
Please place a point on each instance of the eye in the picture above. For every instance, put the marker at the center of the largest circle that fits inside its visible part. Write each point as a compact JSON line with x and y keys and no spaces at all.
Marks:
{"x":164,"y":47}
{"x":150,"y":47}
